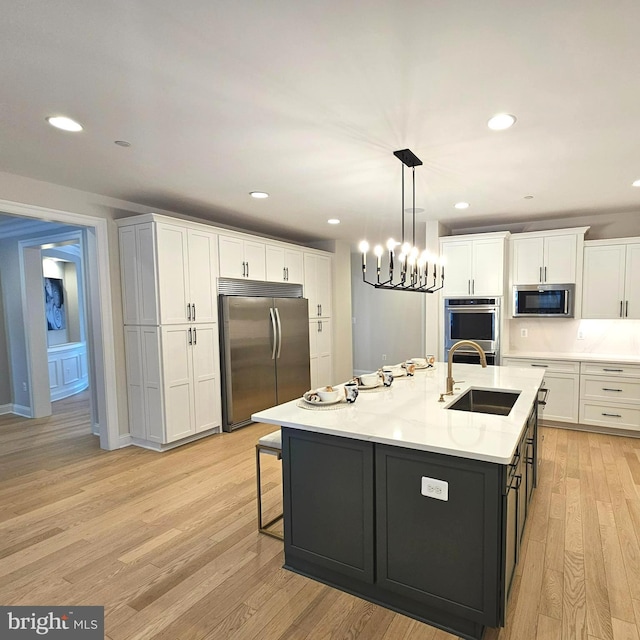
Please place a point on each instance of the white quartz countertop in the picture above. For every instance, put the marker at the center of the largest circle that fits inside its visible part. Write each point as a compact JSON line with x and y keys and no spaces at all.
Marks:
{"x":408,"y":413}
{"x":575,"y":357}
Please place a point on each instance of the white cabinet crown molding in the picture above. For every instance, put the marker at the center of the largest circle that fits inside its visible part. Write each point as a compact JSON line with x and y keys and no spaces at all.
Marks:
{"x":551,"y":232}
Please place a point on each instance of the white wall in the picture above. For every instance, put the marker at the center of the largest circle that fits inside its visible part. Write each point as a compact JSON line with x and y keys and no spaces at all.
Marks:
{"x":5,"y":372}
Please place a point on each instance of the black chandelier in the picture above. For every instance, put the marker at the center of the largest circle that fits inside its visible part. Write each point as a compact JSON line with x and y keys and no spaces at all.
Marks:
{"x":412,"y":265}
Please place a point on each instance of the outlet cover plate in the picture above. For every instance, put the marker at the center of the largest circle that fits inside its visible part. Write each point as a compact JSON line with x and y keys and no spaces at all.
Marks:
{"x":433,"y":488}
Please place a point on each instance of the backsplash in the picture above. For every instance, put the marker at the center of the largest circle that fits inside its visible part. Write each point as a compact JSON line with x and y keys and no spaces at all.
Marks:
{"x":615,"y":337}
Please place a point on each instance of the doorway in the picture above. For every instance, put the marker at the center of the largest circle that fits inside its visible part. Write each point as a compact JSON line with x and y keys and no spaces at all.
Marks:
{"x":100,"y":338}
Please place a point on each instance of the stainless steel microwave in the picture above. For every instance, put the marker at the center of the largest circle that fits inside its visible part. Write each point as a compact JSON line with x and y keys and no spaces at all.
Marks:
{"x":543,"y":300}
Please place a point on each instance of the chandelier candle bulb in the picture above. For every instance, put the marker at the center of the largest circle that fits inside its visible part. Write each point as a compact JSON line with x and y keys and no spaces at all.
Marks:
{"x":364,"y":247}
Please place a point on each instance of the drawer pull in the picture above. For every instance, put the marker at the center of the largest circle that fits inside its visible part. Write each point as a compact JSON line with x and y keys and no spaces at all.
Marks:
{"x":614,"y":370}
{"x":545,"y":366}
{"x":606,"y":389}
{"x":612,"y":415}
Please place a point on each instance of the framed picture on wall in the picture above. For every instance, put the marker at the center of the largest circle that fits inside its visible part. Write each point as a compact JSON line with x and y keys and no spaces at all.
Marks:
{"x":54,"y":304}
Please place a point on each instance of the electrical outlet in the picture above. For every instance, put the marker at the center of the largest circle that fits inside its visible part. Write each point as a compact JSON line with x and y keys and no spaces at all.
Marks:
{"x":433,"y":488}
{"x":24,"y":386}
{"x":384,"y":357}
{"x":524,"y":333}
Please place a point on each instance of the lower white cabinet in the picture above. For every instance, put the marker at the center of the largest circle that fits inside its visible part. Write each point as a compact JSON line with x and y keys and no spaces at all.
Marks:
{"x":610,"y":395}
{"x":321,"y":353}
{"x":173,"y":381}
{"x":562,"y":381}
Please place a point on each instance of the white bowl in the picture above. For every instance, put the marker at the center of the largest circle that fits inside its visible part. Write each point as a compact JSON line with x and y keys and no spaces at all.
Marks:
{"x":369,"y":379}
{"x":328,"y":396}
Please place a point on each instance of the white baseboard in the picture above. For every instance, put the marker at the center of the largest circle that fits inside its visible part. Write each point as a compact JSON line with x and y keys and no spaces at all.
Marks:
{"x":69,"y":390}
{"x":155,"y":446}
{"x":124,"y":441}
{"x":6,"y":408}
{"x":21,"y":410}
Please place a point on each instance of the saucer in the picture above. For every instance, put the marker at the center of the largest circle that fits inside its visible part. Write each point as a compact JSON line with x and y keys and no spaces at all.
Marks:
{"x":363,"y":387}
{"x":322,"y":404}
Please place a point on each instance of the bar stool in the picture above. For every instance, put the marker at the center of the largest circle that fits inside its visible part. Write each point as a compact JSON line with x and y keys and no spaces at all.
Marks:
{"x":270,"y":444}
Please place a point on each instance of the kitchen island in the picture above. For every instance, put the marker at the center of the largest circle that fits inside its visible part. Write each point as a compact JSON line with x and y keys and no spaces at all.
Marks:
{"x":409,"y":504}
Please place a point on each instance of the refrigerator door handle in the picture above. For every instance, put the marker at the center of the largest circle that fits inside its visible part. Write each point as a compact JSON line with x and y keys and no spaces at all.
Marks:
{"x":273,"y":328}
{"x":279,"y":332}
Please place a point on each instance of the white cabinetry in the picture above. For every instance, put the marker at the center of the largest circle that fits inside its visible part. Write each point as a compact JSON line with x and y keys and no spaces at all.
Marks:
{"x":284,"y":264}
{"x":169,"y":272}
{"x":318,"y":287}
{"x":611,"y":285}
{"x":548,"y":257}
{"x":242,"y":258}
{"x":474,"y":265}
{"x":321,"y":353}
{"x":562,"y":380}
{"x":610,"y":395}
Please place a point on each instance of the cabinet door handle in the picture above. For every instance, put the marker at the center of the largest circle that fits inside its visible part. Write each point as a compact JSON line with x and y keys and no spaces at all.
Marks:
{"x":540,"y":276}
{"x":544,"y":366}
{"x":247,"y":268}
{"x":545,"y":274}
{"x":193,"y":306}
{"x":620,"y":309}
{"x":473,"y":286}
{"x":607,"y":389}
{"x":284,"y":273}
{"x":319,"y":326}
{"x":195,"y":335}
{"x":190,"y":336}
{"x":244,"y":270}
{"x":320,"y":307}
{"x":612,"y":415}
{"x":626,"y":309}
{"x":469,"y":287}
{"x":189,"y":312}
{"x":613,"y":370}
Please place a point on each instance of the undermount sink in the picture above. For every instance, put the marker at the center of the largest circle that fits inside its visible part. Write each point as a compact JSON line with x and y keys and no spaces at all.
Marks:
{"x":498,"y":403}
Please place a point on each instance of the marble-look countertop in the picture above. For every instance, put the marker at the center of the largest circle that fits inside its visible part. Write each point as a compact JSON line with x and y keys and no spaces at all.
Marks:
{"x":575,"y":357}
{"x":408,"y":413}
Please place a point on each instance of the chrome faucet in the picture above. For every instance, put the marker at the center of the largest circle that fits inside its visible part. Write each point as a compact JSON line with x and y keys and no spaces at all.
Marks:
{"x":456,"y":346}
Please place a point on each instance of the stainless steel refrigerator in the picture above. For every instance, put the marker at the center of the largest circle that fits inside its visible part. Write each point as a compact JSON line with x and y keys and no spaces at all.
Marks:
{"x":265,"y":353}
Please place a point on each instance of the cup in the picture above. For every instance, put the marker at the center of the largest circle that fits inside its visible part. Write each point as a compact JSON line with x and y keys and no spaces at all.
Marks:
{"x":351,"y":391}
{"x":410,"y":367}
{"x":328,"y":394}
{"x":387,"y":377}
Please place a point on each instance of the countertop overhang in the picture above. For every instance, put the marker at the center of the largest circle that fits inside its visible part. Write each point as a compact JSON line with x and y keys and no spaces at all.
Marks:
{"x":408,"y":413}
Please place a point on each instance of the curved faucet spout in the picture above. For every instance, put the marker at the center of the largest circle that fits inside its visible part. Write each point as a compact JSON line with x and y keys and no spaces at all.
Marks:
{"x":456,"y":346}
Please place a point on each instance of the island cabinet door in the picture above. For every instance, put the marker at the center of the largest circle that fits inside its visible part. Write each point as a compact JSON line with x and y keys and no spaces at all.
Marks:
{"x":439,"y":532}
{"x":328,"y":506}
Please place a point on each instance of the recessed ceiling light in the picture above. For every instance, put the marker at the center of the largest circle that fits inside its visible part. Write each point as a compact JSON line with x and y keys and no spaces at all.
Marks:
{"x":122,"y":143}
{"x":636,"y":183}
{"x":528,"y":197}
{"x":64,"y":123}
{"x":501,"y":121}
{"x":333,"y":221}
{"x":461,"y":205}
{"x":259,"y":194}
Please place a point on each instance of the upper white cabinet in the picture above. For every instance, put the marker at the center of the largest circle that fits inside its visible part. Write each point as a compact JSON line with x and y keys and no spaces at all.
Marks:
{"x":284,"y":264}
{"x":546,"y":257}
{"x":169,"y":273}
{"x":242,"y":258}
{"x":474,"y":264}
{"x":611,"y":286}
{"x":318,"y":287}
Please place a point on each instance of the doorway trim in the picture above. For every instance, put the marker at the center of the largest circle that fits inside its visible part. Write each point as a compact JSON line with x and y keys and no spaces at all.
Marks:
{"x":98,"y":299}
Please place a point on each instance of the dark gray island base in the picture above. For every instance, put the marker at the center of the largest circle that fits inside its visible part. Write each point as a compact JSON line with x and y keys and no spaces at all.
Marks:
{"x":357,"y":518}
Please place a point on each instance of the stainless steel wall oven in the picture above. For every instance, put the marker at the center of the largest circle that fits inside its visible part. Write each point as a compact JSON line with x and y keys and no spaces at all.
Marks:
{"x":476,"y":319}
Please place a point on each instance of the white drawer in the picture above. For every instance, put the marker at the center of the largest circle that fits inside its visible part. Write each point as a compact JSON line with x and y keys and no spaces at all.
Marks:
{"x":609,"y":389}
{"x":610,"y":369}
{"x":609,"y":415}
{"x":555,"y":366}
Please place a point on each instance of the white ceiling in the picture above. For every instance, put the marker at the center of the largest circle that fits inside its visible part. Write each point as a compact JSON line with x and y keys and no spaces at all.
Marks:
{"x":308,"y":99}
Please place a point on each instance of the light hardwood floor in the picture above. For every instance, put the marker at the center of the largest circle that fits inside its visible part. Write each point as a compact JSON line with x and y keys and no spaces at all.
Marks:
{"x":168,"y":542}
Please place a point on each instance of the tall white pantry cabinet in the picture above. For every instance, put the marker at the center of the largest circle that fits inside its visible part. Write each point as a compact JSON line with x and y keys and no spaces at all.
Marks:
{"x":169,"y":271}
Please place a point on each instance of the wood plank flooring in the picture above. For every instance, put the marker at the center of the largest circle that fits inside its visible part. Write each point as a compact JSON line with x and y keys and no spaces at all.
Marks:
{"x":168,"y":543}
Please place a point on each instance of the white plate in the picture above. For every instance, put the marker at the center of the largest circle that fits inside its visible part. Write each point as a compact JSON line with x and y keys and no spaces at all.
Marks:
{"x":363,"y":387}
{"x":322,"y":404}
